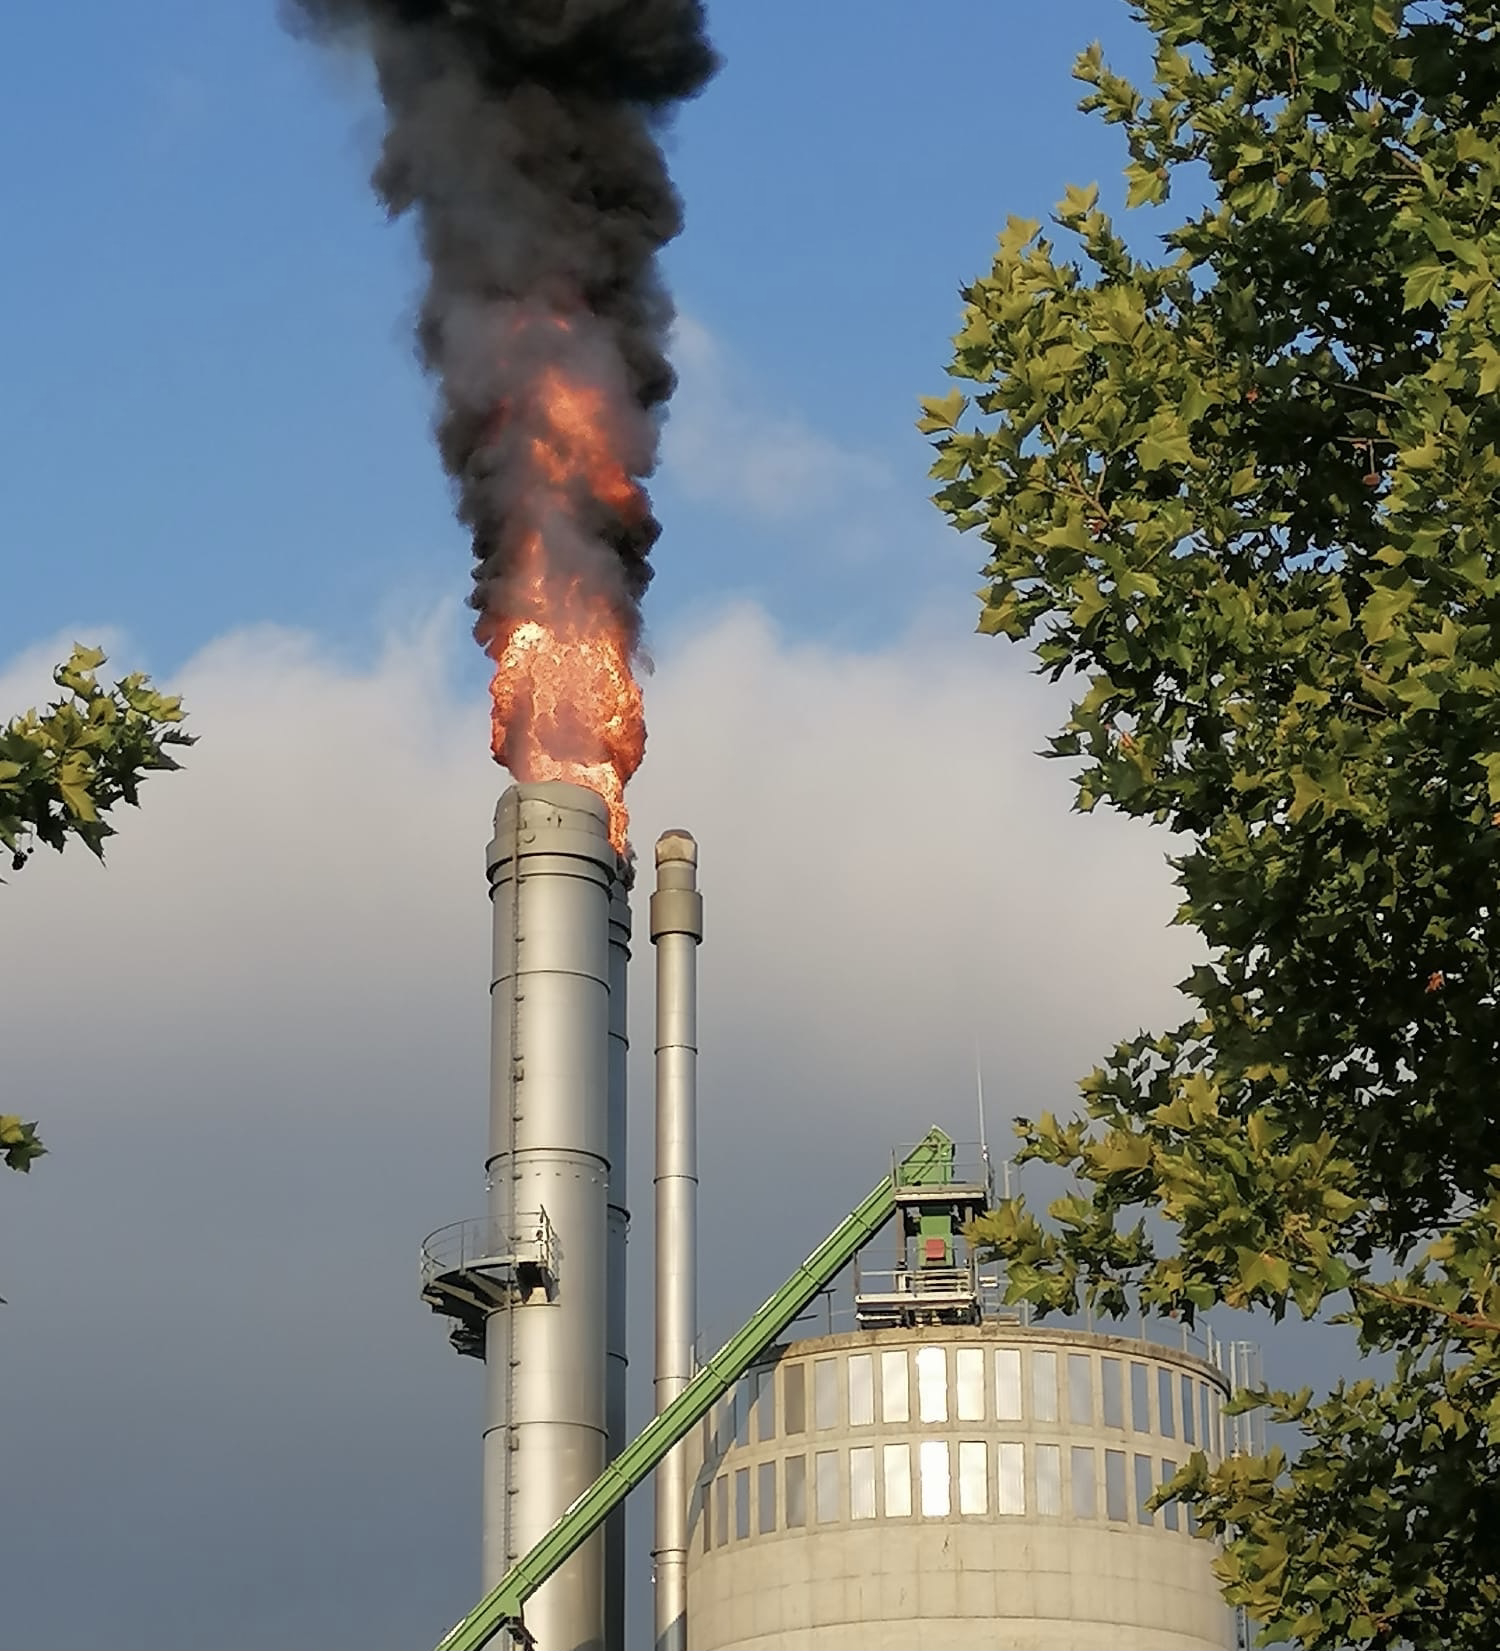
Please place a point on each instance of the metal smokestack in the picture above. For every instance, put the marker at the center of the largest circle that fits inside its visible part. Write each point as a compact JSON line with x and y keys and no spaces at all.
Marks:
{"x":676,"y":930}
{"x":552,"y":874}
{"x":619,"y":1226}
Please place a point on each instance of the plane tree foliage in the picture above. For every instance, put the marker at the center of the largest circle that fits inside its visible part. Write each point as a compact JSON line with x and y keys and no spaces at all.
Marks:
{"x":1241,"y":495}
{"x":63,"y":770}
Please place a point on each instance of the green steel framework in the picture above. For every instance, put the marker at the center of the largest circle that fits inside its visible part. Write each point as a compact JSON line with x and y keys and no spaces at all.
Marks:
{"x":929,"y":1164}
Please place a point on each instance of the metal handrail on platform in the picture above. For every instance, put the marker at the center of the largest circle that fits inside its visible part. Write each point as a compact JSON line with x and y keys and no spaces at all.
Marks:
{"x":526,"y":1237}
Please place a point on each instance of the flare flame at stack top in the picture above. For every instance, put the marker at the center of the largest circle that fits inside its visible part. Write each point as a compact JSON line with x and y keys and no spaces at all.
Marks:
{"x":554,"y":879}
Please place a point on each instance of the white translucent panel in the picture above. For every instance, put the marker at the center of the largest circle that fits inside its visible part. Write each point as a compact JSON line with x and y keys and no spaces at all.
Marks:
{"x":721,"y":1509}
{"x":1112,"y":1384}
{"x":765,"y":1498}
{"x":932,"y":1463}
{"x":1205,"y":1419}
{"x":932,"y":1384}
{"x":796,"y":1491}
{"x":1007,"y":1384}
{"x":741,"y":1504}
{"x":1044,"y":1387}
{"x":724,"y":1424}
{"x":1116,"y":1503}
{"x":895,"y":1395}
{"x":1140,"y":1398}
{"x":827,"y":1486}
{"x":862,"y":1483}
{"x":1047,"y":1460}
{"x":1170,"y":1512}
{"x":742,"y":1397}
{"x":1145,"y":1486}
{"x":1189,"y":1425}
{"x":897,"y":1470}
{"x":1081,"y":1389}
{"x":794,"y":1397}
{"x":1166,"y":1411}
{"x":765,"y":1405}
{"x":1085,"y":1487}
{"x":1010,"y":1463}
{"x":968,"y":1381}
{"x":826,"y":1393}
{"x":974,"y":1477}
{"x":861,"y":1389}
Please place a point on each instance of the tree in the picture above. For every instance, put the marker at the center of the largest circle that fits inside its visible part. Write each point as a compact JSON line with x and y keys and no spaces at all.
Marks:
{"x":1244,"y":496}
{"x":63,"y":770}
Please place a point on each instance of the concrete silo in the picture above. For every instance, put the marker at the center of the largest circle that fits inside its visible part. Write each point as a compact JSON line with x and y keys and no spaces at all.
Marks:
{"x":950,"y":1480}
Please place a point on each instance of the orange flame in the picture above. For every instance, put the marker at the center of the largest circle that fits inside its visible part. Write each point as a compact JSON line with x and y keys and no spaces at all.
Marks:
{"x":565,"y":704}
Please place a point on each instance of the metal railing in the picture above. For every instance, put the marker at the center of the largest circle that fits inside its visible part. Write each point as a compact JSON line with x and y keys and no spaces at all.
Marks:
{"x":969,"y":1167}
{"x":525,"y":1237}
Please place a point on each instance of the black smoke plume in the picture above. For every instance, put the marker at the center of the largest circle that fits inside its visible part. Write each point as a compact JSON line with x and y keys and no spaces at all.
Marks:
{"x":524,"y":136}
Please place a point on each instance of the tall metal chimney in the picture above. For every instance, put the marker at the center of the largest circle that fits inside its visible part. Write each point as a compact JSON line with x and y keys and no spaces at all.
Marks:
{"x":552,"y":875}
{"x":619,"y":1226}
{"x":676,"y":930}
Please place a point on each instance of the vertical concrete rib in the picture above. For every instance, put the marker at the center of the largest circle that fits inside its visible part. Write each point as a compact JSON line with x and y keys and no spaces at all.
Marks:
{"x":551,"y":872}
{"x":619,"y":1226}
{"x":676,"y":930}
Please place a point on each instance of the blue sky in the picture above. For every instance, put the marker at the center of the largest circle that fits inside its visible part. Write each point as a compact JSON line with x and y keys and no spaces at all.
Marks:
{"x":211,"y":412}
{"x":245,"y":1434}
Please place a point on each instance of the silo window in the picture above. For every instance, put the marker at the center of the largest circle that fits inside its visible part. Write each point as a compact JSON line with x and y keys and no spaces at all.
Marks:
{"x":1216,"y":1421}
{"x":1164,"y":1406}
{"x":897,"y":1466}
{"x":1007,"y":1386}
{"x":1080,"y":1389}
{"x":827,"y":1469}
{"x":1115,"y":1504}
{"x":862,"y":1391}
{"x":932,"y":1384}
{"x":1085,"y":1491}
{"x":1113,"y":1384}
{"x":895,"y":1399}
{"x":862,"y":1483}
{"x":1011,"y":1461}
{"x":742,"y":1504}
{"x":721,"y":1509}
{"x":765,"y":1405}
{"x":825,"y":1393}
{"x":1189,"y":1431}
{"x":765,"y":1496}
{"x":1145,"y":1484}
{"x":932,"y":1462}
{"x":1169,"y":1512}
{"x":1205,"y":1420}
{"x":742,"y":1413}
{"x":974,"y":1476}
{"x":794,"y":1397}
{"x":796,"y":1491}
{"x":1140,"y":1398}
{"x":705,"y":1515}
{"x":1048,"y":1459}
{"x":1044,"y":1386}
{"x":968,"y":1374}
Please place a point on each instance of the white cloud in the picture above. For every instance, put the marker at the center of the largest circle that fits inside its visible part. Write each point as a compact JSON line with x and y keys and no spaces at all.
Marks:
{"x":256,"y":1043}
{"x":723,"y":444}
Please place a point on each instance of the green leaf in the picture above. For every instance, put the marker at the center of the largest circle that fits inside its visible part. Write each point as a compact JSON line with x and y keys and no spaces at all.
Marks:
{"x":1166,"y":442}
{"x":942,"y":412}
{"x":1426,"y":283}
